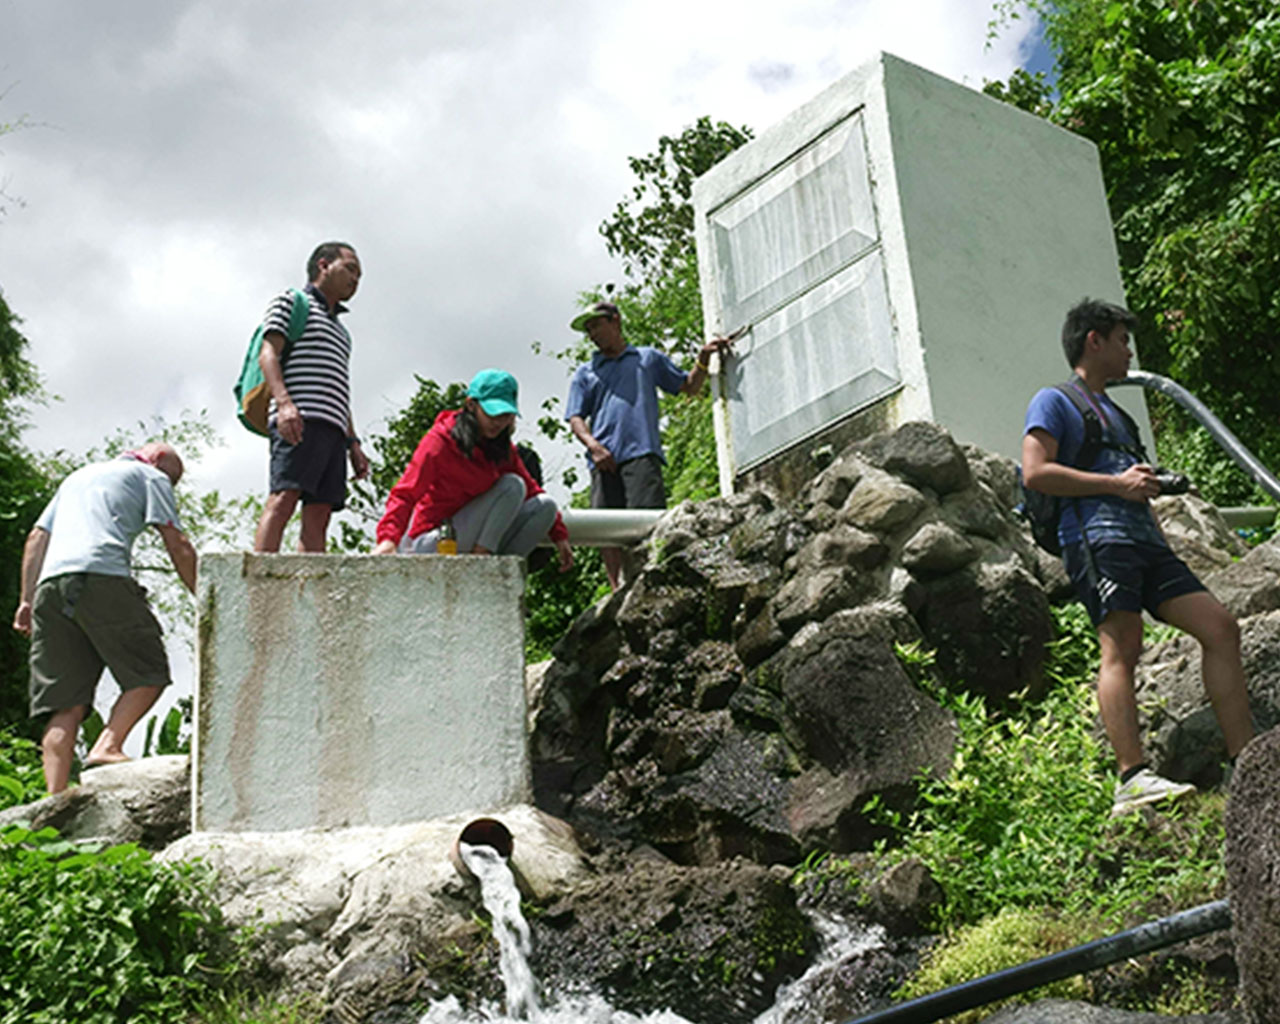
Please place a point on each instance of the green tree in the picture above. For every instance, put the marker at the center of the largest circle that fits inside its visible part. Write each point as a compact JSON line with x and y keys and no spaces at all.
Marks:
{"x":1183,"y":101}
{"x":25,"y":487}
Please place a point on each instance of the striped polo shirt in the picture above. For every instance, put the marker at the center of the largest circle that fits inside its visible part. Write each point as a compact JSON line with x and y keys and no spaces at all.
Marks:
{"x":315,"y":371}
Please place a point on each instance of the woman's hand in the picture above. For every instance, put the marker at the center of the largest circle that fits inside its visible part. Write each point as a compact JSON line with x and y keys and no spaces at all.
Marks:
{"x":566,"y":555}
{"x":385,"y":547}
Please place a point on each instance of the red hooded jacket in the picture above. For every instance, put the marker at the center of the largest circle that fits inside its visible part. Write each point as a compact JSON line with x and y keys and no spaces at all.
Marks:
{"x":439,"y":480}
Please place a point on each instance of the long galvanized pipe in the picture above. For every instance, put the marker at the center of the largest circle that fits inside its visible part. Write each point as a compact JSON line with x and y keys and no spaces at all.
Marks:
{"x":1228,"y":441}
{"x":1167,"y":931}
{"x":609,"y":527}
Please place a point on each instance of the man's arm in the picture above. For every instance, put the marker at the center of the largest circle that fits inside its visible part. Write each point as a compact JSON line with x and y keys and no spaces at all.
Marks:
{"x":288,"y":419}
{"x":600,"y":455}
{"x":1041,"y":473}
{"x":359,"y":461}
{"x":32,"y":562}
{"x":181,"y":553}
{"x":698,"y":375}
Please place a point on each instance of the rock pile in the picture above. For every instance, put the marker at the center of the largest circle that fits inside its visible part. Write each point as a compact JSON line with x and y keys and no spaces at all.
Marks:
{"x":746,"y":694}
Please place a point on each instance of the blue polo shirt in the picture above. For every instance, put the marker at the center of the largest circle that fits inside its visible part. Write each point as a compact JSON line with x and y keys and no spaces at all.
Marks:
{"x":618,"y":399}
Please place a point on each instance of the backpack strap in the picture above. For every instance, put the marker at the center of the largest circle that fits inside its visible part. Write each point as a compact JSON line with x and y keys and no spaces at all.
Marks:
{"x":298,"y":315}
{"x":1092,"y":443}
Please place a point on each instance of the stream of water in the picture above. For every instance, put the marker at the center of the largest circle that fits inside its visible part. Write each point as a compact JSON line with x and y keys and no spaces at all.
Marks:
{"x":502,"y":900}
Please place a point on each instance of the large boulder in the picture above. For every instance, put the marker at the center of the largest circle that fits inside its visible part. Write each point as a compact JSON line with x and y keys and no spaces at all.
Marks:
{"x":1180,"y":732}
{"x":1253,"y":865}
{"x":989,"y":625}
{"x":147,"y":802}
{"x":714,"y":942}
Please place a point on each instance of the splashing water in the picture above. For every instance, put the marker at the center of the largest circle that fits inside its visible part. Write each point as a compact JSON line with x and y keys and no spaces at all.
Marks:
{"x":502,"y":899}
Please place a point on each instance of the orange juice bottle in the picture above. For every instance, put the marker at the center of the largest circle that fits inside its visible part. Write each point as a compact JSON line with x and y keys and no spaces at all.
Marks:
{"x":448,"y":542}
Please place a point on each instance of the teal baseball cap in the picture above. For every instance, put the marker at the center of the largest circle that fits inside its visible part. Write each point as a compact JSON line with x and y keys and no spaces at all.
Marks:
{"x":496,"y":391}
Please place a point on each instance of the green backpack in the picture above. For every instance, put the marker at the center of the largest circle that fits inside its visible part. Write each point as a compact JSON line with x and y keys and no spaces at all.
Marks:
{"x":253,"y":397}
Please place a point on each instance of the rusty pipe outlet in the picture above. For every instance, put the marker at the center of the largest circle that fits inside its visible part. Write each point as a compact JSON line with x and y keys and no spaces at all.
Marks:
{"x":481,"y":832}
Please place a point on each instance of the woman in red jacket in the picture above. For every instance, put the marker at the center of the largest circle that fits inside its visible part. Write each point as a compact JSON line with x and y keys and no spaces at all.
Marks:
{"x":466,"y":471}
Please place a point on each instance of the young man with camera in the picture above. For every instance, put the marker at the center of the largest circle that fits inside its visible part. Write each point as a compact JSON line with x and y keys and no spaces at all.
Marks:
{"x":1115,"y":554}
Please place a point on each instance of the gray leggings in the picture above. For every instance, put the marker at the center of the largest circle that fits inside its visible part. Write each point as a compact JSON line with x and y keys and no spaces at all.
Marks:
{"x":501,"y":520}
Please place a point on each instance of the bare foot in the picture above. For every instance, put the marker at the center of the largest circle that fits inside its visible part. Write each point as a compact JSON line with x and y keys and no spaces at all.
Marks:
{"x":98,"y":760}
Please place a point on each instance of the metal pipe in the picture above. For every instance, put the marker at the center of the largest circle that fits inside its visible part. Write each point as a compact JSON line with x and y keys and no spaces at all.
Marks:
{"x":1167,"y":931}
{"x":1228,"y":441}
{"x":607,"y":527}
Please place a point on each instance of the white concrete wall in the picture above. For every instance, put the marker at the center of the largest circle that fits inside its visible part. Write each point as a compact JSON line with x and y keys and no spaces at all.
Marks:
{"x":337,"y":691}
{"x":991,"y":223}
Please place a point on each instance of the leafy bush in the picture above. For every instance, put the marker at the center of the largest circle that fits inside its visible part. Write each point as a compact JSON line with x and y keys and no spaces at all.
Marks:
{"x":1022,"y":820}
{"x":21,"y":772}
{"x":102,"y":936}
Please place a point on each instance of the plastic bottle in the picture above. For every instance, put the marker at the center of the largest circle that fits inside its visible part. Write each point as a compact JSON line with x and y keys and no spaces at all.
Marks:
{"x":448,"y":542}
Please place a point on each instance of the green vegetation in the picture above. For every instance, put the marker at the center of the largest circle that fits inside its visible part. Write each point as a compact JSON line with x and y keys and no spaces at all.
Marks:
{"x":102,"y":935}
{"x":1019,"y":836}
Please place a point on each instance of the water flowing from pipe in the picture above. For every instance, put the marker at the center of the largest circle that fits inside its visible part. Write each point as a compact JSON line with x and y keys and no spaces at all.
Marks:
{"x":502,"y":899}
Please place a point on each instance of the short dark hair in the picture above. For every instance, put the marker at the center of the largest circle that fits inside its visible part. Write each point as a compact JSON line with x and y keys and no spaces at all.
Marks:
{"x":325,"y":251}
{"x":1091,"y":315}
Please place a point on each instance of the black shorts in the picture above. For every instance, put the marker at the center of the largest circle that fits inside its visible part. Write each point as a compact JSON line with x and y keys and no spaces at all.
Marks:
{"x":1130,"y":577}
{"x":636,"y":484}
{"x":316,"y":465}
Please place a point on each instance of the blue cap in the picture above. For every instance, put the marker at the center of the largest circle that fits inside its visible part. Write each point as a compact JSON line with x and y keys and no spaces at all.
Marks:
{"x":495,"y":390}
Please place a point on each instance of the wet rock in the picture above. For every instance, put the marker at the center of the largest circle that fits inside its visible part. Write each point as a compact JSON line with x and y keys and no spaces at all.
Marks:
{"x":989,"y":624}
{"x":1180,"y":732}
{"x":1253,"y":864}
{"x":147,"y":802}
{"x":714,"y":942}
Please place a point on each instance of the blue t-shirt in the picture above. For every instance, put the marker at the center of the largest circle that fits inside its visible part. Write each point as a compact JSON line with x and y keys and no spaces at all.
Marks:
{"x":618,"y":399}
{"x":1108,"y":519}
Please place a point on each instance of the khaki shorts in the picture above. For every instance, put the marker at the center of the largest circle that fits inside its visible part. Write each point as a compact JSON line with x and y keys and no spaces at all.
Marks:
{"x":83,"y":622}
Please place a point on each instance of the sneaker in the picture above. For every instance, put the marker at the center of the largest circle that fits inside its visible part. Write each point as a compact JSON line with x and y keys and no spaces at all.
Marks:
{"x":1147,"y":788}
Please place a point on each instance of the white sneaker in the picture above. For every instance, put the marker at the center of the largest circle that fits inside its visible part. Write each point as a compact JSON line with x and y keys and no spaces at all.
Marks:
{"x":1147,"y":788}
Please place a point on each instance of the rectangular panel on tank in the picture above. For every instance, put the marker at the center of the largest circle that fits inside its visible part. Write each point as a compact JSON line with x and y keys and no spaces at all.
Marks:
{"x":798,"y":258}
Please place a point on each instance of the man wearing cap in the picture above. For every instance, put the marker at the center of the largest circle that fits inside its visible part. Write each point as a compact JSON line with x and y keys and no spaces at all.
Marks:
{"x":467,"y":476}
{"x":82,"y":609}
{"x":613,"y":411}
{"x":311,"y":428}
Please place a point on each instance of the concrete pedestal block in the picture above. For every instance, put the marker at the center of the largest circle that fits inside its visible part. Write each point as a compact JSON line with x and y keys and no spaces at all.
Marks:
{"x":338,"y":691}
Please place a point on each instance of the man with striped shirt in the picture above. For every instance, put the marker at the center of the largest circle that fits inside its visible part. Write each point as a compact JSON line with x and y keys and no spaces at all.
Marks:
{"x":312,"y":431}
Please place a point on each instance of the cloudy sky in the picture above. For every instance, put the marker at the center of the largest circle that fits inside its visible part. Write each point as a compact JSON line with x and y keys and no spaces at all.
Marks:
{"x":183,"y":158}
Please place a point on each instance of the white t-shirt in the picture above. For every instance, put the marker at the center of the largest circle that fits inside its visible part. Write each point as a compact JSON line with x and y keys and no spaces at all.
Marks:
{"x":98,"y":512}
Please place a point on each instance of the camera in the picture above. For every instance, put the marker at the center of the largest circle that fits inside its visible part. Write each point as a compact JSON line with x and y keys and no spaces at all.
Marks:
{"x":1170,"y":482}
